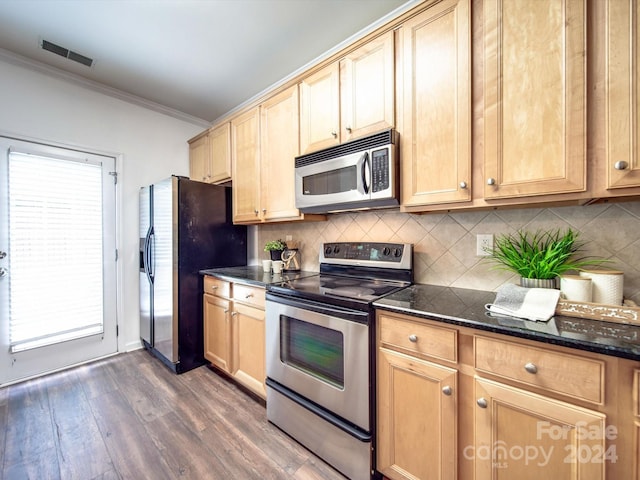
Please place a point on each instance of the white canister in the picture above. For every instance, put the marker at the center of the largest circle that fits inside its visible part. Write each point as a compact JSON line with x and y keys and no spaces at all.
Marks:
{"x":607,"y":286}
{"x":575,"y":288}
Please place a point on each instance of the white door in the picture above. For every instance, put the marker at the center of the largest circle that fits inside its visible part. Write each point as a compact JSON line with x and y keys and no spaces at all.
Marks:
{"x":57,"y":258}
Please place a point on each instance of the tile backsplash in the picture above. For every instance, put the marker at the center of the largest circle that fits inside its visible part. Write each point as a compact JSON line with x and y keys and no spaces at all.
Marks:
{"x":445,"y":243}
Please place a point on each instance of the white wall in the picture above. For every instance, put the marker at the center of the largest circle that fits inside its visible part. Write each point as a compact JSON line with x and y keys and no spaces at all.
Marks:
{"x":149,"y":145}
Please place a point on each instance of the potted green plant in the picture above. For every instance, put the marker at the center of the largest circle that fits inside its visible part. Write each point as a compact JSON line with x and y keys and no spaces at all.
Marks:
{"x":540,"y":257}
{"x":275,"y":248}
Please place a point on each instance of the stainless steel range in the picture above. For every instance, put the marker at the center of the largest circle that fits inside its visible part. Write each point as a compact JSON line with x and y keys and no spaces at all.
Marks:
{"x":320,"y":351}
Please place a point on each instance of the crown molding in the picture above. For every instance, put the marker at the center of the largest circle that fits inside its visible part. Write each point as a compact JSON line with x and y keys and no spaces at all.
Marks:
{"x":19,"y":60}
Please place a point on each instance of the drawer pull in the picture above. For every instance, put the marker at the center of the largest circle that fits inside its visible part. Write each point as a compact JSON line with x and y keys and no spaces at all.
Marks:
{"x":482,"y":402}
{"x":447,"y":390}
{"x":233,"y":314}
{"x":621,"y":165}
{"x":413,"y":338}
{"x":214,"y":287}
{"x":531,"y":368}
{"x":248,"y":295}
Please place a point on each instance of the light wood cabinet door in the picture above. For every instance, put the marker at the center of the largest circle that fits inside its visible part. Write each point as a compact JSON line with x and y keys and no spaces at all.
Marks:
{"x":199,"y":159}
{"x":245,"y":152}
{"x":220,"y":153}
{"x":534,"y":97}
{"x":249,"y":353}
{"x":623,"y":102}
{"x":217,"y":332}
{"x":417,"y":433}
{"x":367,"y":88}
{"x":279,"y":147}
{"x":526,"y":436}
{"x":436,"y":132}
{"x":320,"y":109}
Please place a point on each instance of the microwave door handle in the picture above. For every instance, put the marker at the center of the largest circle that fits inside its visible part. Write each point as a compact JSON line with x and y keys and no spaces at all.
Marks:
{"x":366,"y":172}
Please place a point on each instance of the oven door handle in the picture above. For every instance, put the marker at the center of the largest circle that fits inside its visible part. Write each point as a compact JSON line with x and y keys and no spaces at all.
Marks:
{"x":332,"y":311}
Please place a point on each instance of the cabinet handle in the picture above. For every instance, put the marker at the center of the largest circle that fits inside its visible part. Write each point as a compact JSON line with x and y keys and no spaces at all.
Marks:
{"x":233,"y":314}
{"x":621,"y":165}
{"x":491,"y":181}
{"x":348,"y":129}
{"x":482,"y":402}
{"x":531,"y":368}
{"x":264,"y":210}
{"x":335,"y":134}
{"x":226,"y":311}
{"x":463,"y":184}
{"x":413,"y":338}
{"x":447,"y":390}
{"x":248,"y":295}
{"x":256,"y":212}
{"x":214,"y":287}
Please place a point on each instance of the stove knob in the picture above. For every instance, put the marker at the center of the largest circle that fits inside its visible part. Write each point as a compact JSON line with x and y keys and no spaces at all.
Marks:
{"x":397,"y":252}
{"x":327,"y":250}
{"x":386,"y":251}
{"x":336,"y":249}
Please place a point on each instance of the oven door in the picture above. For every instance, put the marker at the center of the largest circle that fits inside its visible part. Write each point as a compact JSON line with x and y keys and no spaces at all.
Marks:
{"x":336,"y":181}
{"x":321,"y":352}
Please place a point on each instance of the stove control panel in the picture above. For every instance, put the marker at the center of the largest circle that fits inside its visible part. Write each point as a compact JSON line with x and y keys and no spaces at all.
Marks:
{"x":371,"y":253}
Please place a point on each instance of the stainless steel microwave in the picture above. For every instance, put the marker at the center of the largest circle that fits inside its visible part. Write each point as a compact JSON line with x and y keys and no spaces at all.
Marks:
{"x":355,"y":175}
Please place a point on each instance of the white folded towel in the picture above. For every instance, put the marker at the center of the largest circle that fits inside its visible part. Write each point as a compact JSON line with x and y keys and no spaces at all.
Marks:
{"x":537,"y":304}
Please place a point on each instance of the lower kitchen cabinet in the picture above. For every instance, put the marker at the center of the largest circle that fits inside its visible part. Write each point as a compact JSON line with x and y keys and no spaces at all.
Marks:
{"x":481,"y":405}
{"x":217,"y":332}
{"x":249,"y":351}
{"x":519,"y":434}
{"x":234,"y":337}
{"x":414,"y":441}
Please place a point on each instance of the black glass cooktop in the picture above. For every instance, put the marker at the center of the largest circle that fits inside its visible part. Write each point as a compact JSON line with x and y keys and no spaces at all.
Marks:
{"x":337,"y":290}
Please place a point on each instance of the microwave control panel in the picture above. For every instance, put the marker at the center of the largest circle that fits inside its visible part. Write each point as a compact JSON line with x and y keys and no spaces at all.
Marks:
{"x":380,"y":170}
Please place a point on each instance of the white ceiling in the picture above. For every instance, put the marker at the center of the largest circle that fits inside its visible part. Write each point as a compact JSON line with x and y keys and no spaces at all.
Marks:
{"x":197,"y":58}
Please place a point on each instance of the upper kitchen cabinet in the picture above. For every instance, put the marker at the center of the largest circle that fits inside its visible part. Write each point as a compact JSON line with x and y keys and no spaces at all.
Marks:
{"x":264,"y":144}
{"x":278,"y":148}
{"x":623,"y":103}
{"x":534,"y":97}
{"x":199,"y":157}
{"x":436,"y":106}
{"x":350,"y":98}
{"x":220,"y":153}
{"x":210,"y":155}
{"x":245,"y":154}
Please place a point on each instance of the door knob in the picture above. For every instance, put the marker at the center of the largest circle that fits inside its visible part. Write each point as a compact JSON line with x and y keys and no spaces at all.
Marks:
{"x":482,"y":402}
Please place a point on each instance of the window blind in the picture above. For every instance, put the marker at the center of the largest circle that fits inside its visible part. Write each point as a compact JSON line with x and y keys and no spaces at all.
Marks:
{"x":56,"y":252}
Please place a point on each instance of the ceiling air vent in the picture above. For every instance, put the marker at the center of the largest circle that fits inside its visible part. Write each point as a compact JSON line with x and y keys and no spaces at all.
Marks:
{"x":66,"y":53}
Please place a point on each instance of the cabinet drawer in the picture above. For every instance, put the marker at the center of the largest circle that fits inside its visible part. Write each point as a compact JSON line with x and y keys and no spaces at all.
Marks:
{"x":567,"y":374}
{"x":217,"y":287}
{"x":249,"y":295}
{"x":419,"y":338}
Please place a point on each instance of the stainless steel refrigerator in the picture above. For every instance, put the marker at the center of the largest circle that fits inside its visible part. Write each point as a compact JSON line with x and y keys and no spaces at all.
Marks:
{"x":185,"y":226}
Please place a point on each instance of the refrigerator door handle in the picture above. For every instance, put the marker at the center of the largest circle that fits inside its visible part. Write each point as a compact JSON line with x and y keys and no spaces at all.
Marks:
{"x":152,"y":254}
{"x":147,"y":255}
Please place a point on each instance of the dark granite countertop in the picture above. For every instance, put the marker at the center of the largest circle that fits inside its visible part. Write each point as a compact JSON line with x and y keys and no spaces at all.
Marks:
{"x":465,"y":307}
{"x":253,"y":275}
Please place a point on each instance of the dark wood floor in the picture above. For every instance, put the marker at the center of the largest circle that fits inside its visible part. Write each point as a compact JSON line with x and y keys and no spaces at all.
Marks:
{"x":128,"y":417}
